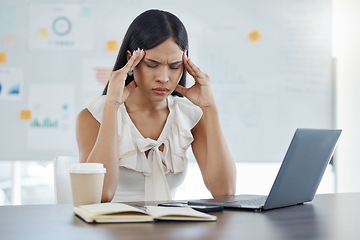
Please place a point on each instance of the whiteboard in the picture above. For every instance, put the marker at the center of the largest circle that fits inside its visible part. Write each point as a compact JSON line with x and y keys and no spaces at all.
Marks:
{"x":269,"y":63}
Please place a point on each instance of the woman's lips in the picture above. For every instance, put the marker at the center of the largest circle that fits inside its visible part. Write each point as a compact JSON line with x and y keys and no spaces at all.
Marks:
{"x":160,"y":91}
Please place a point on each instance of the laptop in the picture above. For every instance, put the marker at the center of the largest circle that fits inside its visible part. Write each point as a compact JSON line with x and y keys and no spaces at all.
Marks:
{"x":299,"y":176}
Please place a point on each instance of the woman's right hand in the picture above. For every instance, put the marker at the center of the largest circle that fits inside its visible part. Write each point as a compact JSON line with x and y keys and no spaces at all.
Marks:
{"x":117,"y":91}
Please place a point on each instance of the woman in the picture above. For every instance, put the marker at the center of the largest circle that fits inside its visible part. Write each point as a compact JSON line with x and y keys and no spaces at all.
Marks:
{"x":141,"y":127}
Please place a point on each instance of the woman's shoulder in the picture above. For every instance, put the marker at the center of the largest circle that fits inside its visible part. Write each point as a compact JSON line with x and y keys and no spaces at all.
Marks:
{"x":87,"y":126}
{"x":84,"y":114}
{"x":85,"y":117}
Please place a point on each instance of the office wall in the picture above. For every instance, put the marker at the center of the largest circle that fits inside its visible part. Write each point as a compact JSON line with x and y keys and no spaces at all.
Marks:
{"x":269,"y":63}
{"x":346,"y":50}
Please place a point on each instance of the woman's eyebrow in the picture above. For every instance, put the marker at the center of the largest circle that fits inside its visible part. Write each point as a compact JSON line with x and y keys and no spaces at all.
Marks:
{"x":177,"y":62}
{"x":157,"y":62}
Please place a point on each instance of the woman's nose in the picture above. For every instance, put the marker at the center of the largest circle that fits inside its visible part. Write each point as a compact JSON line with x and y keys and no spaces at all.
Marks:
{"x":163,"y":75}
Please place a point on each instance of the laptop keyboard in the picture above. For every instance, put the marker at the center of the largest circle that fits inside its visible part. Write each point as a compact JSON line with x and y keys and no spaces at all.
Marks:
{"x":251,"y":202}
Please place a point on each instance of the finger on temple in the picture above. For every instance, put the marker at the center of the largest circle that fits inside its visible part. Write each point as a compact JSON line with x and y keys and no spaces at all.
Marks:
{"x":188,"y":68}
{"x":136,"y":58}
{"x":129,"y":63}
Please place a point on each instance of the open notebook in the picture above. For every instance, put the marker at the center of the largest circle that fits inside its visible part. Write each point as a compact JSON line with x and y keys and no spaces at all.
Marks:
{"x":124,"y":213}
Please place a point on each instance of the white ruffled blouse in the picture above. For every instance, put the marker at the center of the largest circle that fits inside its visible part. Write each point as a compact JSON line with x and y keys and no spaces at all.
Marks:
{"x":156,"y":176}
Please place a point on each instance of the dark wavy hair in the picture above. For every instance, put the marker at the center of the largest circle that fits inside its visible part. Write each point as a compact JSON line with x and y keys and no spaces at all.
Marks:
{"x":147,"y":31}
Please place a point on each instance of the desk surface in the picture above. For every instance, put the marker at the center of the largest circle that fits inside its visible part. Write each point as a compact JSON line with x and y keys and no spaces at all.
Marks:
{"x":329,"y":216}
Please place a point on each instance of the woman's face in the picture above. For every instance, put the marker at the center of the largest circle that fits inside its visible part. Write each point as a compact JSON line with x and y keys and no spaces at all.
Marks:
{"x":159,"y":72}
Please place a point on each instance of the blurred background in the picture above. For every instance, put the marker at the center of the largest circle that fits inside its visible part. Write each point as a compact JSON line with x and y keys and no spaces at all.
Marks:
{"x":274,"y":66}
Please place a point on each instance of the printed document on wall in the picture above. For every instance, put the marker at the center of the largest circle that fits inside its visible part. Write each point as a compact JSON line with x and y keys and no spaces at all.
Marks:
{"x":52,"y":121}
{"x":96,"y":73}
{"x":11,"y":82}
{"x":61,"y":26}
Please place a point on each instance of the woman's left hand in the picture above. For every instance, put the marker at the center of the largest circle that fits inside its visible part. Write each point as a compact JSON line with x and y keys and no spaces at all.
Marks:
{"x":200,"y":93}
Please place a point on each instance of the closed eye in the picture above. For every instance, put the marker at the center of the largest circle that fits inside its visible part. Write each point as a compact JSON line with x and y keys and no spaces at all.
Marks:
{"x":176,"y":65}
{"x":151,"y":65}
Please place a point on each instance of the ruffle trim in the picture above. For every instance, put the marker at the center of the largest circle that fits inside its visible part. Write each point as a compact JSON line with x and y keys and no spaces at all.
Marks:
{"x":96,"y":107}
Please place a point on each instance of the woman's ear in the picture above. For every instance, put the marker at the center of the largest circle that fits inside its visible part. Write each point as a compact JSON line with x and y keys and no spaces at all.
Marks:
{"x":128,"y":55}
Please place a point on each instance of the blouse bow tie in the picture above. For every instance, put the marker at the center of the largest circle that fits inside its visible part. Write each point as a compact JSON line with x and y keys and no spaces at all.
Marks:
{"x":156,"y":185}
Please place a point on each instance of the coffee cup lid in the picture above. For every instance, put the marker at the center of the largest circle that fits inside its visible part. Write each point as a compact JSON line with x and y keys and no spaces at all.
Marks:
{"x":87,"y":168}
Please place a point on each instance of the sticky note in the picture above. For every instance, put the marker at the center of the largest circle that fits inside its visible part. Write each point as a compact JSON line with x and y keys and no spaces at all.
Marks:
{"x":254,"y":36}
{"x":42,"y":33}
{"x":25,"y":115}
{"x":2,"y":57}
{"x":112,"y":46}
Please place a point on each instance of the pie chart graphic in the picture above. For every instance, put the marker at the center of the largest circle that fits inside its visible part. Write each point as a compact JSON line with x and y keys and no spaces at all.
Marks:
{"x":61,"y":26}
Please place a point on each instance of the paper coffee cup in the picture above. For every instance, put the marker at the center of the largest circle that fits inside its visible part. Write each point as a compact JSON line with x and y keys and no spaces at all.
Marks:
{"x":87,"y":181}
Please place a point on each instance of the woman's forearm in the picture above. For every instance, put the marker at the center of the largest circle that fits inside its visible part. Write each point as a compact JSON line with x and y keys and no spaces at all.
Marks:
{"x":106,"y":150}
{"x":220,"y":166}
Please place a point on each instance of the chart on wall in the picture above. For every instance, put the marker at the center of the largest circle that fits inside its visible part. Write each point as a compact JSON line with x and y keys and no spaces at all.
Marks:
{"x":60,"y":26}
{"x":51,"y":124}
{"x":11,"y":83}
{"x":96,"y":73}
